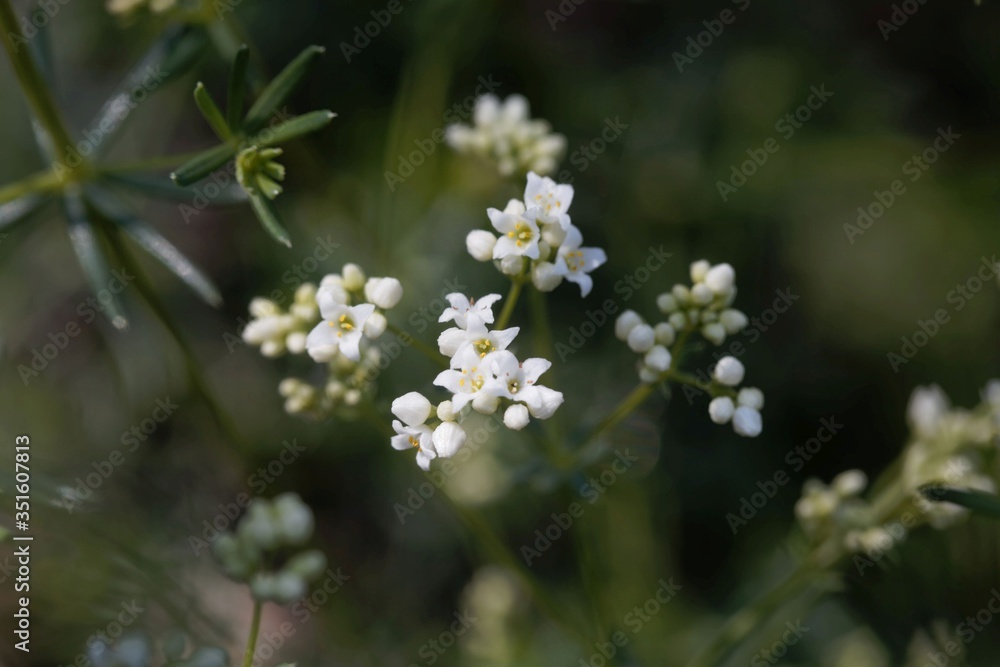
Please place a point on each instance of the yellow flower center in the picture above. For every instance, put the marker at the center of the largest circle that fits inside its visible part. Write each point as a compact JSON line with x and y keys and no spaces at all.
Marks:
{"x":344,"y":323}
{"x":483,"y":346}
{"x":574,"y":260}
{"x":522,"y":234}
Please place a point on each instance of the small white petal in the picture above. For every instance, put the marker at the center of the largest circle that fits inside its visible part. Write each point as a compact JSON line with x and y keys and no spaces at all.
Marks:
{"x":383,"y":292}
{"x":747,"y":422}
{"x":354,"y":277}
{"x":752,"y":397}
{"x":666,"y":303}
{"x":721,"y":278}
{"x":480,"y":244}
{"x":665,"y":334}
{"x":641,"y":338}
{"x":714,"y":333}
{"x":375,"y":325}
{"x":413,"y":408}
{"x":729,"y":371}
{"x":733,"y":320}
{"x":658,"y":358}
{"x":516,"y":417}
{"x":448,"y":439}
{"x":627,"y":321}
{"x":699,"y":270}
{"x":721,"y":409}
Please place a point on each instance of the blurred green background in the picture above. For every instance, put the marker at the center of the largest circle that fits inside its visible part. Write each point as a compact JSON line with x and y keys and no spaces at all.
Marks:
{"x":654,"y":184}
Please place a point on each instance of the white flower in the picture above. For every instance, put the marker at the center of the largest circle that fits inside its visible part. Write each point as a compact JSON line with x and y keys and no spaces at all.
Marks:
{"x":480,"y":244}
{"x":658,"y":359}
{"x":332,"y":289}
{"x":341,"y":328}
{"x":546,"y":276}
{"x":751,"y":397}
{"x":413,"y":408}
{"x":627,"y":321}
{"x":721,"y":409}
{"x":448,"y":438}
{"x":552,"y":198}
{"x":446,"y":411}
{"x":383,"y":292}
{"x":519,"y":233}
{"x":477,"y":338}
{"x":729,"y":371}
{"x":468,"y":379}
{"x":519,"y":382}
{"x":578,"y":262}
{"x":747,"y":422}
{"x":720,"y":279}
{"x":420,"y":437}
{"x":849,"y":483}
{"x":641,"y":338}
{"x":516,"y":417}
{"x":465,"y":311}
{"x":928,"y":406}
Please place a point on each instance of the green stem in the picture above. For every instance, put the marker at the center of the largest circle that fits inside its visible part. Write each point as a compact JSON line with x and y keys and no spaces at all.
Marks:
{"x":46,"y":181}
{"x":421,"y":346}
{"x":32,"y":83}
{"x":627,"y":405}
{"x":158,"y":163}
{"x":252,"y":639}
{"x":509,"y":303}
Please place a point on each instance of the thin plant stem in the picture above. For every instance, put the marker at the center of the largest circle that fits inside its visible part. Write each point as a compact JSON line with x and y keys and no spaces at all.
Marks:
{"x":46,"y":181}
{"x":509,"y":303}
{"x":252,"y":639}
{"x":421,"y":346}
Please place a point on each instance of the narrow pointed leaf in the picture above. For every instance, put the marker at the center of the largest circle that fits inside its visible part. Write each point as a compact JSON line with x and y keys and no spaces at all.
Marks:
{"x":170,"y":57}
{"x":268,"y":216}
{"x":163,"y":188}
{"x":15,"y":211}
{"x":156,"y":245}
{"x":237,"y":88}
{"x":986,"y":504}
{"x":280,"y":88}
{"x":92,"y":260}
{"x":211,"y":112}
{"x":202,"y":165}
{"x":294,"y":128}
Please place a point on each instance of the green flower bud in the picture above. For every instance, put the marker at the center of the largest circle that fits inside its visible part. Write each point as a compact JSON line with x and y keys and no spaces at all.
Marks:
{"x":258,"y":173}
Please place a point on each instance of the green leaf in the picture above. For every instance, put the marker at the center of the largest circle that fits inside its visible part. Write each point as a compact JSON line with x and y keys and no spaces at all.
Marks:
{"x":986,"y":504}
{"x":237,"y":88}
{"x":280,"y":88}
{"x":15,"y":211}
{"x":268,"y":216}
{"x":295,"y":128}
{"x":169,"y":58}
{"x":164,"y":188}
{"x":156,"y":245}
{"x":211,"y":112}
{"x":88,"y":250}
{"x":202,"y":165}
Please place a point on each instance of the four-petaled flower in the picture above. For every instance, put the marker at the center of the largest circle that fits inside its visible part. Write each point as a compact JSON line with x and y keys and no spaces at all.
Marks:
{"x":455,"y":342}
{"x":519,"y":383}
{"x":519,"y":233}
{"x":551,"y":198}
{"x":466,"y":311}
{"x":341,"y":328}
{"x":576,"y":262}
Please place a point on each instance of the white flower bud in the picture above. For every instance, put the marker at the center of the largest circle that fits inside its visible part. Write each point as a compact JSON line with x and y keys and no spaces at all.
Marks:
{"x":647,"y":374}
{"x":751,"y":397}
{"x":701,"y":294}
{"x":260,"y":308}
{"x":296,"y":342}
{"x":547,"y":402}
{"x":446,"y":411}
{"x":733,"y":320}
{"x":448,"y":438}
{"x":516,"y":417}
{"x":715,"y":333}
{"x":485,"y":404}
{"x":383,"y":292}
{"x":554,"y":235}
{"x":665,"y":334}
{"x":308,"y":564}
{"x":681,"y":294}
{"x":747,"y":422}
{"x":512,"y":265}
{"x":293,"y":517}
{"x":480,"y":244}
{"x":627,"y":321}
{"x":699,"y":270}
{"x":666,"y":303}
{"x":288,"y":386}
{"x":354,"y":277}
{"x":658,"y":358}
{"x":641,"y":338}
{"x":335,"y":389}
{"x":678,"y":321}
{"x":412,"y":408}
{"x":306,"y":294}
{"x":849,"y":483}
{"x":729,"y":371}
{"x":545,"y":277}
{"x":272,"y":348}
{"x":721,"y":278}
{"x":375,"y":325}
{"x":352,"y":397}
{"x":288,"y":587}
{"x":721,"y":409}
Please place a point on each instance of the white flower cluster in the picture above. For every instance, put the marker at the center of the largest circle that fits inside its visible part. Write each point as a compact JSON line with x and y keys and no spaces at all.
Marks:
{"x":268,"y":527}
{"x":838,"y":508}
{"x":537,"y":238}
{"x":332,"y":323}
{"x":505,"y":133}
{"x":705,"y":306}
{"x":484,"y":376}
{"x":744,"y":412}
